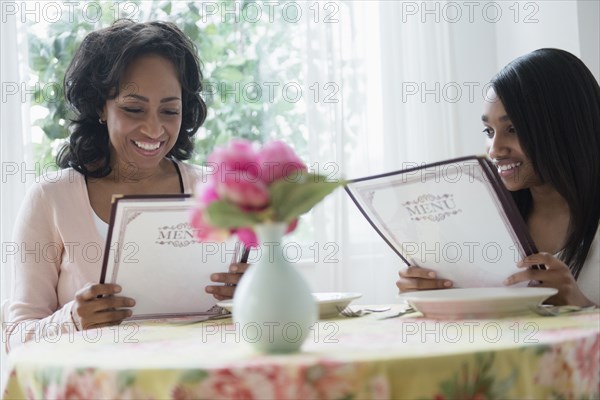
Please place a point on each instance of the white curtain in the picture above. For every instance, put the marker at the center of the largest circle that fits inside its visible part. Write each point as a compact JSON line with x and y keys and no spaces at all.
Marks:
{"x":370,"y":57}
{"x":15,"y":148}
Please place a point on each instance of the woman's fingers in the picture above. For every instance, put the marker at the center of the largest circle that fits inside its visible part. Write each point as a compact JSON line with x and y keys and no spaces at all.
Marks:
{"x":409,"y":284}
{"x":527,"y":275}
{"x":96,"y":304}
{"x":553,"y":270}
{"x":417,"y":278}
{"x":544,"y":259}
{"x":238,"y":268}
{"x":109,"y":317}
{"x":417,"y":272}
{"x":228,"y":280}
{"x":92,"y":291}
{"x":221,"y":292}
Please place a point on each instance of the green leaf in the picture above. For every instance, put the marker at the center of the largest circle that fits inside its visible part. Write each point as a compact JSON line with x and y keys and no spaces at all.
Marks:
{"x":167,"y":8}
{"x":226,"y":215}
{"x":191,"y":30}
{"x":54,"y":131}
{"x":39,"y":63}
{"x":57,"y":46}
{"x":293,"y":197}
{"x":194,"y":9}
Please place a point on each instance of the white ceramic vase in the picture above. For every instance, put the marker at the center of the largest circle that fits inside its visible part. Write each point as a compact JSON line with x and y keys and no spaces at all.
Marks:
{"x":273,"y":307}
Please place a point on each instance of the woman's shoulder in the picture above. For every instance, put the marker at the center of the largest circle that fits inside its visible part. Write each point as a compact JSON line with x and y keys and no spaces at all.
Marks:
{"x":56,"y":190}
{"x":192,"y":174}
{"x":59,"y":181}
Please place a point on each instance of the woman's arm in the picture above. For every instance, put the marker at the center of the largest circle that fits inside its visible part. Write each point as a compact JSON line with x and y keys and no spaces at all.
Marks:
{"x":39,"y":275}
{"x":33,"y":312}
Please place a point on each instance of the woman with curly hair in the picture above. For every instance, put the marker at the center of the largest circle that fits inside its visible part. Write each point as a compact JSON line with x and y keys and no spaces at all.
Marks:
{"x":135,"y":90}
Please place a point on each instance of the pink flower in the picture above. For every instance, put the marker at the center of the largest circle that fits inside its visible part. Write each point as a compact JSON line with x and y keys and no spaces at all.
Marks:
{"x":206,"y":193}
{"x":204,"y":231}
{"x":238,"y":159}
{"x":241,"y":183}
{"x":278,"y":160}
{"x":243,"y":192}
{"x":237,"y":175}
{"x":247,"y":236}
{"x":292,"y":226}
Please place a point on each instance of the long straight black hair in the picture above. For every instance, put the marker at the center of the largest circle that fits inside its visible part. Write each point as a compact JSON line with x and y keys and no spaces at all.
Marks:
{"x":553,"y":100}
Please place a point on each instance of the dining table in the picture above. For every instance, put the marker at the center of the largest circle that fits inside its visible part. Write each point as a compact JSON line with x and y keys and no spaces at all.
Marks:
{"x":375,"y":355}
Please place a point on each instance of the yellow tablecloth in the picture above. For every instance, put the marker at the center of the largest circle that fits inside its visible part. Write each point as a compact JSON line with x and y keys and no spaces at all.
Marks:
{"x":344,"y":358}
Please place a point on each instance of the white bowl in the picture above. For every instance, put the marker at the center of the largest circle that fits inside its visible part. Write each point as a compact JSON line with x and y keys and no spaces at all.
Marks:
{"x":478,"y":302}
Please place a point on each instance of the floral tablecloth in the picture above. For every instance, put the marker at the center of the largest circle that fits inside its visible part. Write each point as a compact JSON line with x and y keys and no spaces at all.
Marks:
{"x":344,"y":358}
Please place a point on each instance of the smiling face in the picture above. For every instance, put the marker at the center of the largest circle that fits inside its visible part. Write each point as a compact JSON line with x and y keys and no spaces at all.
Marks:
{"x":514,"y":167}
{"x":143,"y":121}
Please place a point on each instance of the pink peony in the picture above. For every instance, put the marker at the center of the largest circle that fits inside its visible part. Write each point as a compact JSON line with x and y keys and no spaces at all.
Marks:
{"x":238,"y":160}
{"x":292,"y":226}
{"x":236,"y":175}
{"x":243,"y":192}
{"x":206,"y":193}
{"x":247,"y":236}
{"x":241,"y":179}
{"x":278,"y":160}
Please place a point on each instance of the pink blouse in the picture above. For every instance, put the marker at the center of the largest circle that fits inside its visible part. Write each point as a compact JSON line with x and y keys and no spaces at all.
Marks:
{"x":60,"y":250}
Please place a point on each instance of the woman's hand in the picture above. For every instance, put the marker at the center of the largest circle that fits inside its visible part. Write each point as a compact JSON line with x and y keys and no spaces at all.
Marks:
{"x":230,"y":280}
{"x":556,"y":275}
{"x":417,"y":278}
{"x":91,"y":311}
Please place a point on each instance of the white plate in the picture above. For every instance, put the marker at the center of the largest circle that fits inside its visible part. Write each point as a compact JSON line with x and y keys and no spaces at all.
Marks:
{"x":329,"y":303}
{"x":477,"y":302}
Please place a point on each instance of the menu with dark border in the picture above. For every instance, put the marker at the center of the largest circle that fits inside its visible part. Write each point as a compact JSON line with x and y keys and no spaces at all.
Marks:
{"x":454,"y":216}
{"x":152,"y":252}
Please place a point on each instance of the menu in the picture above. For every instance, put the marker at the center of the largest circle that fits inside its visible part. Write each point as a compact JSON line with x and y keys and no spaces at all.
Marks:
{"x":152,"y":252}
{"x":454,"y":216}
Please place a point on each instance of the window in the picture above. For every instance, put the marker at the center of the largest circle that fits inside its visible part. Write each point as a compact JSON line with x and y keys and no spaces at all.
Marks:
{"x":356,"y":87}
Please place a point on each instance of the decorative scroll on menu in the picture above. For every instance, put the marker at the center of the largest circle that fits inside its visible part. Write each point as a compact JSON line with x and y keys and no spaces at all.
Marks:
{"x":151,"y":251}
{"x":455,"y":217}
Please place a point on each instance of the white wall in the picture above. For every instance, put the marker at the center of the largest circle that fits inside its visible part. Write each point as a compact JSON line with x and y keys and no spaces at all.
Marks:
{"x":588,"y":13}
{"x":551,"y":24}
{"x":491,"y":42}
{"x":479,"y":45}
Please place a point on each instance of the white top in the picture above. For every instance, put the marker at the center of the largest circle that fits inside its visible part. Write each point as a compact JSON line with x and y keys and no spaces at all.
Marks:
{"x":101,"y":226}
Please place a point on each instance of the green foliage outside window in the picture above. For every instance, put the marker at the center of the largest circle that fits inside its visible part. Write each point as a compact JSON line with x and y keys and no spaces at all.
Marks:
{"x":250,"y":83}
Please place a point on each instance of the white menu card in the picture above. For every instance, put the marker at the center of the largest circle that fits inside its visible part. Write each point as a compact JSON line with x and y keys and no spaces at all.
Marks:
{"x":152,"y":253}
{"x":455,"y":217}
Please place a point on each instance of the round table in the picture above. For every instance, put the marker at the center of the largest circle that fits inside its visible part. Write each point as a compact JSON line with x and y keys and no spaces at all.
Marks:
{"x":372,"y":356}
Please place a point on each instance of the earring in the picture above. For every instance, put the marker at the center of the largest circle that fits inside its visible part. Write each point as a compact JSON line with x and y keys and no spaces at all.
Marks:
{"x":101,"y":121}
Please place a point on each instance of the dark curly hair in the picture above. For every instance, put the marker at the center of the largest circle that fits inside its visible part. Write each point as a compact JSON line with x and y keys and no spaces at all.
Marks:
{"x":553,"y":100}
{"x":94,"y":76}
